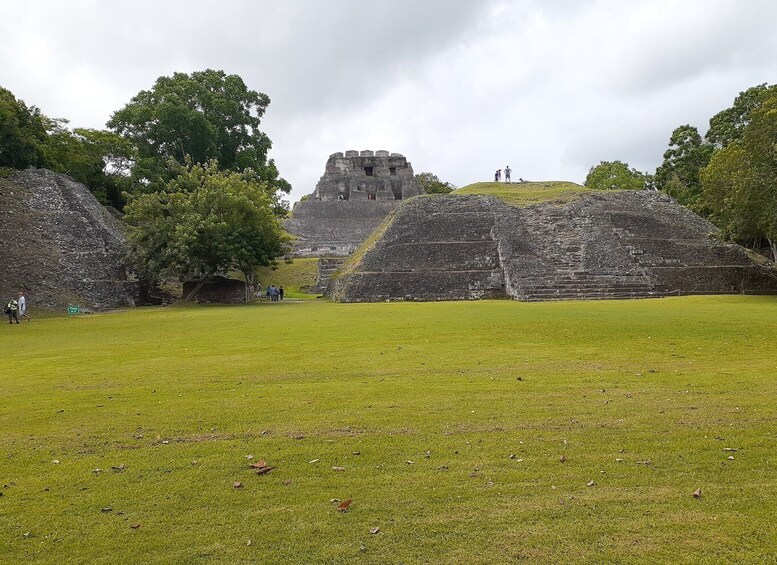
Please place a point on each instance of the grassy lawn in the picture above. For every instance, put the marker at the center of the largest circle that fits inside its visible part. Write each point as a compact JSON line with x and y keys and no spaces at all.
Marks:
{"x":527,"y":193}
{"x":123,"y":434}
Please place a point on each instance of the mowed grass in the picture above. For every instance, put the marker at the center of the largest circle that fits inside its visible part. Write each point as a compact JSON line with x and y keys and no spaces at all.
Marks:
{"x":449,"y":420}
{"x":528,"y":193}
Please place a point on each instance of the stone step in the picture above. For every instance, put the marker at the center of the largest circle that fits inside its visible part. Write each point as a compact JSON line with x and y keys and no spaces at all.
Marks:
{"x":613,"y":296}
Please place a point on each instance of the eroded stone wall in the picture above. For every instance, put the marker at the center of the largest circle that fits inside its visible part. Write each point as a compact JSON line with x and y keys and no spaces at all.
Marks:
{"x":605,"y":245}
{"x":60,"y":244}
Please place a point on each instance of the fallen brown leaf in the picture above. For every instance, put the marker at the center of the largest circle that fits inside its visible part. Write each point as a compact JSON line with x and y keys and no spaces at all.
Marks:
{"x":343,"y":506}
{"x":375,"y":530}
{"x":264,"y":470}
{"x":338,"y":468}
{"x":562,"y":459}
{"x":135,"y":526}
{"x":697,"y":493}
{"x":237,"y":484}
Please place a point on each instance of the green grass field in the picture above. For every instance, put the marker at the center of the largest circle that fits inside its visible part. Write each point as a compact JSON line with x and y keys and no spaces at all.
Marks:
{"x":123,"y":434}
{"x":528,"y":193}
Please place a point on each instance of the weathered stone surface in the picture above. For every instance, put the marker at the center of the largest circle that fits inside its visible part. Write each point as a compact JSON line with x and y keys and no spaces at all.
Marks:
{"x":60,"y":244}
{"x":357,"y":190}
{"x":629,"y":244}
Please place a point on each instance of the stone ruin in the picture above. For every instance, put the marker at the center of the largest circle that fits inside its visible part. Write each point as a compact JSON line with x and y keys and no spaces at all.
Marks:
{"x":357,"y":190}
{"x":60,"y":244}
{"x":625,"y":244}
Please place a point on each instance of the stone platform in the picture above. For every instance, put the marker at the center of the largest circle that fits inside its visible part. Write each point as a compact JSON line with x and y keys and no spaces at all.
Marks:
{"x":630,"y":244}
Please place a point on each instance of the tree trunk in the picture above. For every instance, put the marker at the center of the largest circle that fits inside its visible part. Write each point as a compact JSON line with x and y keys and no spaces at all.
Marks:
{"x":249,"y":277}
{"x":773,"y":246}
{"x":198,"y":287}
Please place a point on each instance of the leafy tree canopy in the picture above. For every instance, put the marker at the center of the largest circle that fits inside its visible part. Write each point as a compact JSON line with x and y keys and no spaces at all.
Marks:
{"x":678,"y":175}
{"x":204,"y":221}
{"x":433,"y":185}
{"x":208,"y":116}
{"x":728,"y":125}
{"x":740,"y":183}
{"x":22,"y":133}
{"x":615,"y":175}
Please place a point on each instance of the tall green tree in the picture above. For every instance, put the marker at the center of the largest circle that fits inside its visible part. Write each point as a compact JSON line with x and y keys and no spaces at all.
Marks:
{"x":615,"y":175}
{"x":740,"y":183}
{"x":205,"y":221}
{"x":22,"y":133}
{"x":99,"y":159}
{"x":728,"y":125}
{"x":432,"y":184}
{"x":678,"y":175}
{"x":206,"y":115}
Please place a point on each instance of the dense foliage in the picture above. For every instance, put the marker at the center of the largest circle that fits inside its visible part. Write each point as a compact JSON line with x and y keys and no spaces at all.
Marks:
{"x":204,"y":116}
{"x":615,"y":175}
{"x":204,"y":221}
{"x":431,"y":184}
{"x":740,"y":183}
{"x":22,"y":133}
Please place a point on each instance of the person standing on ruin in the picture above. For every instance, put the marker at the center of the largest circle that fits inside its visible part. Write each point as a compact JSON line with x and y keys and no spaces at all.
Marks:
{"x":498,"y":175}
{"x":22,"y":304}
{"x":507,"y":173}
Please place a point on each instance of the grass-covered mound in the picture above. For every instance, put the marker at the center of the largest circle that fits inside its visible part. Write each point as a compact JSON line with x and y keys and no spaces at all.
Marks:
{"x":296,"y":277}
{"x":527,"y":193}
{"x":125,"y":435}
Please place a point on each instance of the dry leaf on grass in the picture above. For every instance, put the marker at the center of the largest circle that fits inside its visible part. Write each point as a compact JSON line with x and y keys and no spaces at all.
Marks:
{"x":343,"y":506}
{"x":697,"y":493}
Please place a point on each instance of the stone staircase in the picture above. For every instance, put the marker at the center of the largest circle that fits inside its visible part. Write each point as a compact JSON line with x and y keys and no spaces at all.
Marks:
{"x":326,"y":268}
{"x":559,"y":238}
{"x":580,"y":285}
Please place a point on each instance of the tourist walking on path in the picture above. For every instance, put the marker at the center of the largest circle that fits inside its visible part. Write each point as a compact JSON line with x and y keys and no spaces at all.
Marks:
{"x":507,"y":173}
{"x":11,"y":309}
{"x":269,"y":292}
{"x":22,"y":305}
{"x":280,"y":293}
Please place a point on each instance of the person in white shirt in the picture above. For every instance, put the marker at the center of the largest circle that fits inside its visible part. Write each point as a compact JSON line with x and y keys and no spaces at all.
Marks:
{"x":23,"y":307}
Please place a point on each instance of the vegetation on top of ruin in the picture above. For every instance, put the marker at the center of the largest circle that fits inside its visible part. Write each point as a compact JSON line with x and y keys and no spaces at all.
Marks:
{"x":356,"y":257}
{"x":528,"y":193}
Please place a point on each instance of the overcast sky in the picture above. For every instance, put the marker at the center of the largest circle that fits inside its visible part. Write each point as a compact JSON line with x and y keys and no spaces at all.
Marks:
{"x":461,"y":87}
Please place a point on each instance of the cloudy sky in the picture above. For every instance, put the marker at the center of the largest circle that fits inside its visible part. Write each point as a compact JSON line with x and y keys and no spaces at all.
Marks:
{"x":461,"y":87}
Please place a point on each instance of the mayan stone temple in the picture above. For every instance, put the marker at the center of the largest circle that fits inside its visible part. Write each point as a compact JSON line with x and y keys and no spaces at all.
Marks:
{"x":357,"y":191}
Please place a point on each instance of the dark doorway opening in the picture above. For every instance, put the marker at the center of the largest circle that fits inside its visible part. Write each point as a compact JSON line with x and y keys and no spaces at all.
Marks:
{"x":368,"y":171}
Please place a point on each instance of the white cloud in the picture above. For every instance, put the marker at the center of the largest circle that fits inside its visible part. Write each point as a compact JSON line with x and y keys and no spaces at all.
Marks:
{"x":461,"y":88}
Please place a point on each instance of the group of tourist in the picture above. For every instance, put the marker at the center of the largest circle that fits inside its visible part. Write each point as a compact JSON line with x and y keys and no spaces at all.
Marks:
{"x":274,"y":293}
{"x":498,"y":174}
{"x":16,"y":309}
{"x":507,"y":171}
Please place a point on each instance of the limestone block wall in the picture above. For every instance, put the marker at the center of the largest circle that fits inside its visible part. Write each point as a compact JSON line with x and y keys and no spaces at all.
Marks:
{"x":334,"y":228}
{"x":631,"y":244}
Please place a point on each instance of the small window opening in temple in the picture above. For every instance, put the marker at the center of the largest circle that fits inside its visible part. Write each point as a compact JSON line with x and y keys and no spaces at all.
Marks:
{"x":368,"y":171}
{"x":393,"y":171}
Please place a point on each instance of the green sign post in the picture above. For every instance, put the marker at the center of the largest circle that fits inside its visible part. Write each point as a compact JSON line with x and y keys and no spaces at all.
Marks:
{"x":72,"y":309}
